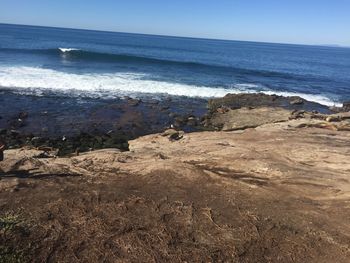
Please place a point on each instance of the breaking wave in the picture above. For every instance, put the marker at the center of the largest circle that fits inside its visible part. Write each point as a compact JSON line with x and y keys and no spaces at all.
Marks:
{"x":35,"y":80}
{"x":65,"y":50}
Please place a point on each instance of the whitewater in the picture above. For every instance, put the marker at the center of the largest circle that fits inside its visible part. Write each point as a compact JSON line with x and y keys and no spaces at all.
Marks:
{"x":80,"y":63}
{"x":33,"y":80}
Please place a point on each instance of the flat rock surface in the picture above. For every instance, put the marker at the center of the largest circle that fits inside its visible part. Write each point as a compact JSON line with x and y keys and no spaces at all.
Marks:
{"x":276,"y":193}
{"x":248,"y":118}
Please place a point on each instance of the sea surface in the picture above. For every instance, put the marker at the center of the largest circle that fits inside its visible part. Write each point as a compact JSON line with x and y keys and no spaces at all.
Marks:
{"x":41,"y":61}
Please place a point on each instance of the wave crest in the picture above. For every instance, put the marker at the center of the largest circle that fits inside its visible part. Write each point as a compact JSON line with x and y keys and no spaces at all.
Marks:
{"x":120,"y":84}
{"x":65,"y":50}
{"x":89,"y":55}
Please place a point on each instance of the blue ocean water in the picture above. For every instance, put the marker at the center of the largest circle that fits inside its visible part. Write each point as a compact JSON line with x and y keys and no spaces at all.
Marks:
{"x":40,"y":61}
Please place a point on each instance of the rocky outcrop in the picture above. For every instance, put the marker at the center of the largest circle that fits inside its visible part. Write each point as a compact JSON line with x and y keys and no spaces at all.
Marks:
{"x":240,"y":119}
{"x":268,"y":193}
{"x":236,"y":101}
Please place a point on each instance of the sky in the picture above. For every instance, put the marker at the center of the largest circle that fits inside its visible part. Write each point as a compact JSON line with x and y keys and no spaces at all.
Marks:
{"x":321,"y":22}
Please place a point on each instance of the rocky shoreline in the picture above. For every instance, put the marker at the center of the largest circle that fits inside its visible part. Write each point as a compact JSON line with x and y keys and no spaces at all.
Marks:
{"x":263,"y":183}
{"x":112,"y":124}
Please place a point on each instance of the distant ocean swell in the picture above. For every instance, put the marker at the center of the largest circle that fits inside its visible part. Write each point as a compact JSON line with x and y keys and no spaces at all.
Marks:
{"x":35,"y":80}
{"x":74,"y":54}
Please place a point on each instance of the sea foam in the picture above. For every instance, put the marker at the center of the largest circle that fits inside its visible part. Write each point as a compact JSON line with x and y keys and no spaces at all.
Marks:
{"x":34,"y":80}
{"x":65,"y":50}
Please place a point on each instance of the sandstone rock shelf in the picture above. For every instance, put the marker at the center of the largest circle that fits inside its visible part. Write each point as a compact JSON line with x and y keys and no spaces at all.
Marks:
{"x":278,"y":192}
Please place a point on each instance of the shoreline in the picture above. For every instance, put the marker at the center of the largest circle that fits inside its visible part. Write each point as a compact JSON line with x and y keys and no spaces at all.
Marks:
{"x":93,"y":124}
{"x":264,"y":184}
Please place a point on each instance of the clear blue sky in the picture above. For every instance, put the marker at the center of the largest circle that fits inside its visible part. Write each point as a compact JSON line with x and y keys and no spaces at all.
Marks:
{"x":284,"y":21}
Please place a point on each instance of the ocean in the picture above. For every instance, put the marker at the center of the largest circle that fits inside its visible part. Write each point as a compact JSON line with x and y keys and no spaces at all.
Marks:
{"x":42,"y":61}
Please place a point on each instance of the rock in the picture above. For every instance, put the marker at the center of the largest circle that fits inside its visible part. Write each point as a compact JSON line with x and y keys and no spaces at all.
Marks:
{"x":346,"y":106}
{"x":14,"y":133}
{"x":173,"y":134}
{"x":169,"y":132}
{"x":244,"y":118}
{"x":36,"y":140}
{"x":222,"y":109}
{"x":165,"y":108}
{"x":153,"y":102}
{"x":297,"y":114}
{"x":23,"y":115}
{"x":236,"y":101}
{"x":333,"y":118}
{"x":172,"y":115}
{"x":179,"y":121}
{"x":192,"y":121}
{"x":296,"y":101}
{"x":342,"y":116}
{"x":133,"y":102}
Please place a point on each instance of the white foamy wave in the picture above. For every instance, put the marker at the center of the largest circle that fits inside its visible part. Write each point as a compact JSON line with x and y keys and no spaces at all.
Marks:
{"x":31,"y":79}
{"x":65,"y":50}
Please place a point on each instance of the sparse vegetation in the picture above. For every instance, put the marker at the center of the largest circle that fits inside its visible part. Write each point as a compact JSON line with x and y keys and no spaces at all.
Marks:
{"x":8,"y":222}
{"x":8,"y":253}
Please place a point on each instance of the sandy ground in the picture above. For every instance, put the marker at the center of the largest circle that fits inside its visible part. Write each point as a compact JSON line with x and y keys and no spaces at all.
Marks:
{"x":276,"y":193}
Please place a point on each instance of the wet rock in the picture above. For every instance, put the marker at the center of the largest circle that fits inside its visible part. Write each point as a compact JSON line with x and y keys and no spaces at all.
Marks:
{"x":192,"y":121}
{"x":172,"y":114}
{"x":133,"y":102}
{"x":236,"y":101}
{"x":14,"y":133}
{"x":153,"y":102}
{"x":346,"y":106}
{"x":36,"y":141}
{"x":296,"y":101}
{"x":180,"y":121}
{"x":23,"y":115}
{"x":165,"y":108}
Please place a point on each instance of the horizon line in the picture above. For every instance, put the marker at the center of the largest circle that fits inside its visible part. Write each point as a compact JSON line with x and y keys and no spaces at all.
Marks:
{"x":178,"y":36}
